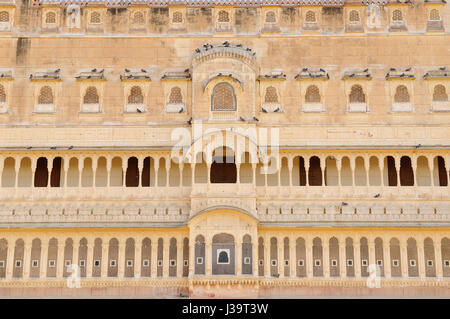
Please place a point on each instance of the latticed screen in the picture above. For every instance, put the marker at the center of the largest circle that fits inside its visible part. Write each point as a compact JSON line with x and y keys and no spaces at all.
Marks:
{"x":397,"y":15}
{"x":50,"y":17}
{"x":271,"y":95}
{"x":177,"y":17}
{"x":223,"y":16}
{"x":45,"y":95}
{"x":401,"y":94}
{"x":175,"y":96}
{"x":270,"y":17}
{"x":135,"y":96}
{"x":357,"y":94}
{"x":310,"y":16}
{"x":91,"y":96}
{"x":354,"y":16}
{"x":95,"y":17}
{"x":434,"y":15}
{"x":223,"y":98}
{"x":4,"y":16}
{"x":312,"y":94}
{"x":138,"y":18}
{"x":439,"y":94}
{"x":2,"y":94}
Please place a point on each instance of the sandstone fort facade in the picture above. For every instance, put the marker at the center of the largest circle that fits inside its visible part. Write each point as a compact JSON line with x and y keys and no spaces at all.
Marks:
{"x":224,"y":148}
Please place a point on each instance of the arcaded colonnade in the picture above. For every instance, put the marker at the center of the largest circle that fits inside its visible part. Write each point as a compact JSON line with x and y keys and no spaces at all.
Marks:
{"x":273,"y":254}
{"x":141,"y":170}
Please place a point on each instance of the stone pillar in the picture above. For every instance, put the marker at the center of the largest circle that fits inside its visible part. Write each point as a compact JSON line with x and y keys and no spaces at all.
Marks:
{"x":255,"y":260}
{"x":180,"y":247}
{"x":75,"y":254}
{"x":191,"y":258}
{"x":90,"y":257}
{"x":404,"y":258}
{"x":80,"y":170}
{"x":254,"y":174}
{"x":138,"y":257}
{"x":94,"y":171}
{"x":124,"y":172}
{"x":121,"y":258}
{"x":239,"y":256}
{"x":290,"y":167}
{"x":367,"y":169}
{"x":208,"y":257}
{"x":192,"y":174}
{"x":44,"y":258}
{"x":281,"y":257}
{"x":342,"y":258}
{"x":180,"y":168}
{"x":10,"y":259}
{"x":323,"y":164}
{"x":371,"y":246}
{"x":60,"y":259}
{"x":156,"y":166}
{"x":357,"y":257}
{"x":66,"y":170}
{"x":292,"y":258}
{"x":154,"y":257}
{"x":140,"y":169}
{"x":352,"y":167}
{"x":397,"y":169}
{"x":16,"y":169}
{"x":267,"y":256}
{"x":339,"y":168}
{"x":108,"y":171}
{"x":326,"y":258}
{"x":414,"y":167}
{"x":421,"y":257}
{"x":387,"y":257}
{"x":381,"y":166}
{"x":438,"y":257}
{"x":168,"y":165}
{"x":309,"y":262}
{"x":431,"y":165}
{"x":104,"y":263}
{"x":33,"y":170}
{"x":26,"y":258}
{"x":166,"y":264}
{"x":306,"y":161}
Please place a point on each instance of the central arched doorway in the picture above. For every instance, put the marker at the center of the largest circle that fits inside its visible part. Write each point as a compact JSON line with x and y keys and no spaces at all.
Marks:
{"x":223,"y":167}
{"x":223,"y":259}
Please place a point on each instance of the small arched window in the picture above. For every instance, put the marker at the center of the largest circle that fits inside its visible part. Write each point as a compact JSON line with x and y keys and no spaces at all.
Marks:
{"x":177,"y":17}
{"x":175,"y":96}
{"x":50,"y":17}
{"x":4,"y":16}
{"x":397,"y":15}
{"x":45,"y":95}
{"x":135,"y":96}
{"x":271,"y":95}
{"x":223,"y":98}
{"x":354,"y":16}
{"x":91,"y":96}
{"x":310,"y":16}
{"x":434,"y":15}
{"x":439,"y":94}
{"x":270,"y":17}
{"x":312,"y":94}
{"x":138,"y":18}
{"x":2,"y":94}
{"x":357,"y":94}
{"x":223,"y":16}
{"x":401,"y":94}
{"x":95,"y":17}
{"x":223,"y":257}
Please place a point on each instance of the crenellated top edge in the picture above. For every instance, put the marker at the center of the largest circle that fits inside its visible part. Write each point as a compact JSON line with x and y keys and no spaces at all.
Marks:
{"x":213,"y":3}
